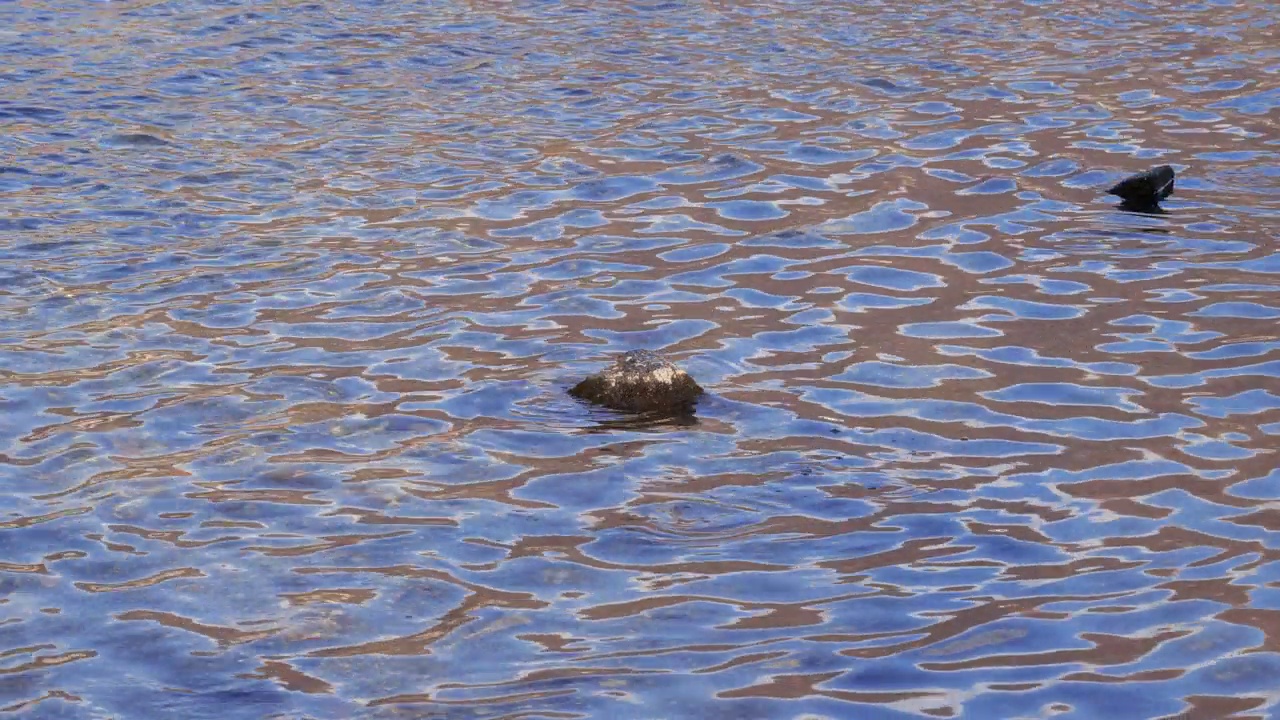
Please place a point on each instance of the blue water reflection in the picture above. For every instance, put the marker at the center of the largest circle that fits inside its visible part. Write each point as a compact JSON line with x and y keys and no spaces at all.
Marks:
{"x":291,"y":296}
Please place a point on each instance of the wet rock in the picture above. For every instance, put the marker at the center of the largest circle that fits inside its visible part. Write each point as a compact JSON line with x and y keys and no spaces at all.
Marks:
{"x":1144,"y":191}
{"x":640,"y":381}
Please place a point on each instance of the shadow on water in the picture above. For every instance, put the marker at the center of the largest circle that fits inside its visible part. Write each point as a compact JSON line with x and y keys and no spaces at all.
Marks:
{"x":291,"y":295}
{"x":653,"y":420}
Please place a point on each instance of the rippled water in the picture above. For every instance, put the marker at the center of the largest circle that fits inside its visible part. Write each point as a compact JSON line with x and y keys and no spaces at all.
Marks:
{"x":290,"y":296}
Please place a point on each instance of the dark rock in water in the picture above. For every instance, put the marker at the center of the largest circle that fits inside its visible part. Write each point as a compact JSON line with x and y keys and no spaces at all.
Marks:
{"x":1144,"y":191}
{"x":640,"y":381}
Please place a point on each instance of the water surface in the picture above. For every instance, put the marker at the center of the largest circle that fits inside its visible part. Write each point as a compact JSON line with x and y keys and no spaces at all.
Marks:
{"x":290,"y":296}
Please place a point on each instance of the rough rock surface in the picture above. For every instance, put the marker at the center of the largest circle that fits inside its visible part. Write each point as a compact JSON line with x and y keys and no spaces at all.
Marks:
{"x":640,"y":381}
{"x":1144,"y":191}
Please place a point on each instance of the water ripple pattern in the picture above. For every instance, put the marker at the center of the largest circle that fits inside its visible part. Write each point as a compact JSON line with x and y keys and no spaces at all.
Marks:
{"x":291,"y":293}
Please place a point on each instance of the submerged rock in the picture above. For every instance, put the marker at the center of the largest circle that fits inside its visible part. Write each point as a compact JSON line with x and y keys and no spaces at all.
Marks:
{"x":640,"y":381}
{"x":1144,"y":191}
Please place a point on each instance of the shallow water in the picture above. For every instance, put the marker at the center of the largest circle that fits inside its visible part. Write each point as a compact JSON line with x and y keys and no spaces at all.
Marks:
{"x":290,"y":295}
